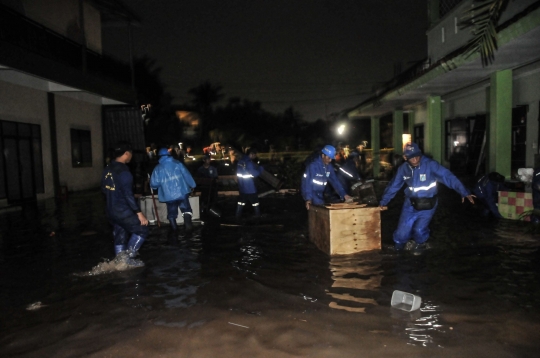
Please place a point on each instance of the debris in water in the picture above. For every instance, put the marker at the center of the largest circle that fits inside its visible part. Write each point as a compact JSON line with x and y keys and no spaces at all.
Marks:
{"x":239,"y":325}
{"x":35,"y":306}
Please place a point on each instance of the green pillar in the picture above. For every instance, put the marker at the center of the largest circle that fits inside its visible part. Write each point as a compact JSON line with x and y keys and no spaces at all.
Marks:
{"x":434,"y":141}
{"x":398,"y":131}
{"x":375,"y":146}
{"x":500,"y":123}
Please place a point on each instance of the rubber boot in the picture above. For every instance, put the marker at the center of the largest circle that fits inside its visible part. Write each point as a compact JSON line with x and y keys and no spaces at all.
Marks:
{"x":188,"y":225}
{"x":239,"y":209}
{"x":134,"y":244}
{"x":174,"y":225}
{"x":119,"y":248}
{"x":257,"y":211}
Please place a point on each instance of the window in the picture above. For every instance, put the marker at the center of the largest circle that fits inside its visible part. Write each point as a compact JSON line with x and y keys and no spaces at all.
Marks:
{"x":21,"y":166}
{"x":81,"y":148}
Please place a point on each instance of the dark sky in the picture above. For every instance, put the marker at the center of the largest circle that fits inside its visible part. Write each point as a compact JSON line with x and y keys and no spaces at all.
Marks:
{"x":320,"y":56}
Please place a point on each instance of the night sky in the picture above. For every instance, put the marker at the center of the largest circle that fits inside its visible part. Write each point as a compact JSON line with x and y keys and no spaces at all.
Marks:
{"x":319,"y":56}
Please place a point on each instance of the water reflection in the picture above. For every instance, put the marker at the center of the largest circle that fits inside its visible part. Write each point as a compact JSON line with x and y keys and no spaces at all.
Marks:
{"x":477,"y":277}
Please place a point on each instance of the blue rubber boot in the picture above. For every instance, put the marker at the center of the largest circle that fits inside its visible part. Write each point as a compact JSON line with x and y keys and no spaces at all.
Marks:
{"x":119,"y":248}
{"x":134,"y":244}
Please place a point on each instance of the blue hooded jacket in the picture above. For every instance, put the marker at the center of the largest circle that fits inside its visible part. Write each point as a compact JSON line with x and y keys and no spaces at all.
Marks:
{"x":172,"y":179}
{"x":246,"y":172}
{"x":422,"y":181}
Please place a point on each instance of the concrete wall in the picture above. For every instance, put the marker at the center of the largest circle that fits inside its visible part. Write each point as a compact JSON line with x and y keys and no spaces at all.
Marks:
{"x":73,"y":110}
{"x":526,"y":91}
{"x":62,"y":16}
{"x":78,"y":111}
{"x":28,"y":105}
{"x":455,"y":37}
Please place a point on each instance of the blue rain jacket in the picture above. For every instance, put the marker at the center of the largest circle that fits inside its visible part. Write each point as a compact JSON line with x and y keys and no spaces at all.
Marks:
{"x":246,"y":172}
{"x":348,"y":174}
{"x":422,"y":181}
{"x":314,"y":181}
{"x":536,"y":188}
{"x":117,"y":185}
{"x":172,"y":179}
{"x":487,"y":191}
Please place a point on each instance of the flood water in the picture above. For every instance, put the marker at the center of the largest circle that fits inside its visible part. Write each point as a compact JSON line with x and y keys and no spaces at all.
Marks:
{"x":264,"y":290}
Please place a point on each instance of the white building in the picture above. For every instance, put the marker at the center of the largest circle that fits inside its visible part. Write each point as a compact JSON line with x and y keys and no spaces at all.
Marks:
{"x":54,"y":84}
{"x":470,"y":117}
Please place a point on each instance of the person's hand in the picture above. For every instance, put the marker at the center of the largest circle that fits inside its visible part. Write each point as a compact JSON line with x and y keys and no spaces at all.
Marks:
{"x":308,"y":203}
{"x":383,"y":208}
{"x":142,"y":219}
{"x":469,"y":197}
{"x":348,"y":199}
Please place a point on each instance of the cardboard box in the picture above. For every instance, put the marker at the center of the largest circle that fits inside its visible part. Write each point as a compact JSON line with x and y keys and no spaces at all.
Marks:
{"x":513,"y":204}
{"x":147,"y":208}
{"x":345,"y":229}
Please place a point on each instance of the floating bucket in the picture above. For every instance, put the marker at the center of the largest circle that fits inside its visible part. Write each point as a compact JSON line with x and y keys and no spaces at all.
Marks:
{"x":406,"y":301}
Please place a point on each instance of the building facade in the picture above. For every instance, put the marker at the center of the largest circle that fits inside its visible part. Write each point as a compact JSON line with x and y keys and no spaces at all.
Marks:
{"x":471,"y":116}
{"x":54,"y":86}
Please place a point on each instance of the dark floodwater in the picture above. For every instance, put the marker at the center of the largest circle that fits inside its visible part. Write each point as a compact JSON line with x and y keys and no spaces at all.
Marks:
{"x":264,"y":290}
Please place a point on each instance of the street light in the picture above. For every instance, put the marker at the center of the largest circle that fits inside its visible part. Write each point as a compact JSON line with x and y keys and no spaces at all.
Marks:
{"x":341,"y":129}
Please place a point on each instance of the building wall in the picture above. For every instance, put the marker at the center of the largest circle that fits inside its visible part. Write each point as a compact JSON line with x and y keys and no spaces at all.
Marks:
{"x":62,"y":16}
{"x":456,"y":37}
{"x":28,"y":105}
{"x":78,"y":111}
{"x":465,"y":103}
{"x":526,"y":91}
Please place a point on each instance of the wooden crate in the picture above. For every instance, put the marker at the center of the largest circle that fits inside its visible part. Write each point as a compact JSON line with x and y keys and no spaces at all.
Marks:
{"x":345,"y":229}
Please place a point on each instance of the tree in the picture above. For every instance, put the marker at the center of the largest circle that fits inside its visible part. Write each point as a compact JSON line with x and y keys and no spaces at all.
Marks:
{"x":205,"y":96}
{"x":483,"y":18}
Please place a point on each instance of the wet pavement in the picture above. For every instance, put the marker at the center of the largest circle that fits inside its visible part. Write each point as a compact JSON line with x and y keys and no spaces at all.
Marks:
{"x":263,"y":289}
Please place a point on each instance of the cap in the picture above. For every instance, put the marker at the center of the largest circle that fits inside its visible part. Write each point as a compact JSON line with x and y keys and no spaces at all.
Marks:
{"x":329,"y":151}
{"x":411,"y":150}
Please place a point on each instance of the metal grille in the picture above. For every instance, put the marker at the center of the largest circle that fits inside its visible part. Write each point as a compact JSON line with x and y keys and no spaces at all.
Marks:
{"x":445,"y":6}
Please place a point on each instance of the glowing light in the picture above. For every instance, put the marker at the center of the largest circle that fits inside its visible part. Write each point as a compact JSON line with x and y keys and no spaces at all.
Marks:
{"x":341,"y":129}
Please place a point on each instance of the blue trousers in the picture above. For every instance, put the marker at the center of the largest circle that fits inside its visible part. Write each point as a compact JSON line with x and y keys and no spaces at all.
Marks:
{"x":413,"y":224}
{"x":182,"y":204}
{"x":123,"y":229}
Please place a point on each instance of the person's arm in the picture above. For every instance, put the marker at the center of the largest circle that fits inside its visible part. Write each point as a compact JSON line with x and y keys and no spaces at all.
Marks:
{"x":336,"y":184}
{"x":187,"y":175}
{"x":393,"y":187}
{"x":307,"y":186}
{"x":448,"y":178}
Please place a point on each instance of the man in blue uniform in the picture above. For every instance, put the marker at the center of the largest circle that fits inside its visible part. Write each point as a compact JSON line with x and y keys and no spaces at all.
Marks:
{"x":535,"y":218}
{"x":246,"y":172}
{"x":486,"y":190}
{"x":174,"y":184}
{"x":318,"y":172}
{"x":130,"y":226}
{"x":421,"y":175}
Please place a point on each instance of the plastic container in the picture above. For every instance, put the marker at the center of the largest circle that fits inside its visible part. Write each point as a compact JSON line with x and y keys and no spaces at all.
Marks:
{"x":405,"y":301}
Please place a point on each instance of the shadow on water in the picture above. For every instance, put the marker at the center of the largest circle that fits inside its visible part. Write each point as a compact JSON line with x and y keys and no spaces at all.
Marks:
{"x":479,"y":284}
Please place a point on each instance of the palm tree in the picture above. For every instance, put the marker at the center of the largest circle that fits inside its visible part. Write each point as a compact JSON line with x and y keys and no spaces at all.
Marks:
{"x":483,"y":18}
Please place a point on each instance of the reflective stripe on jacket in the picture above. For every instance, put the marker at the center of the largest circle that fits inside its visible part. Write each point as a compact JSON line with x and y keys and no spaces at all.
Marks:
{"x":246,"y":172}
{"x":421,"y":181}
{"x":314,"y":181}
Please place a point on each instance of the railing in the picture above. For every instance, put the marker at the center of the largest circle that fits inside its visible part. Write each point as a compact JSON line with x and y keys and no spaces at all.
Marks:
{"x":25,"y":33}
{"x":412,"y":72}
{"x":445,"y":6}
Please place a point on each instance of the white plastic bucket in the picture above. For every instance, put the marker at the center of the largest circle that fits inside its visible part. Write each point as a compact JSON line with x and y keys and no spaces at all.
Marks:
{"x":405,"y":301}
